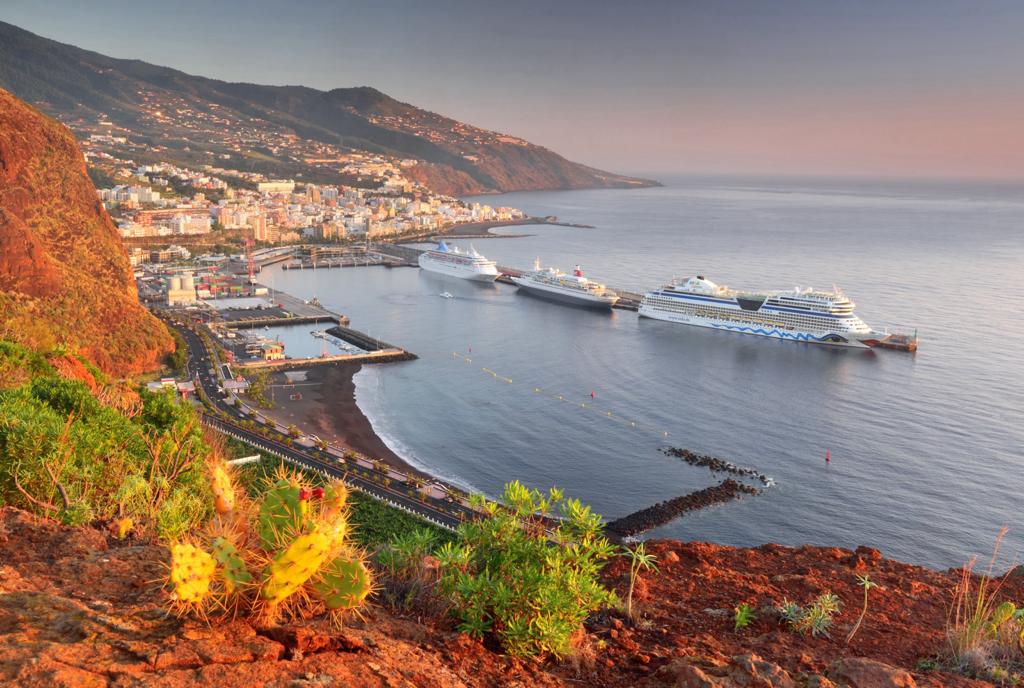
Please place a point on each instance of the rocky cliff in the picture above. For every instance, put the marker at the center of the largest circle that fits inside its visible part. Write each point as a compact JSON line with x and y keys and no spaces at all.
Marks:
{"x":64,"y":275}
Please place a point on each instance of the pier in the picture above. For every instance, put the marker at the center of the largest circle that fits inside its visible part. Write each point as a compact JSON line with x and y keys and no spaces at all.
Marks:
{"x":317,"y":258}
{"x":304,"y":311}
{"x":628,"y":300}
{"x":384,"y":355}
{"x":361,"y":339}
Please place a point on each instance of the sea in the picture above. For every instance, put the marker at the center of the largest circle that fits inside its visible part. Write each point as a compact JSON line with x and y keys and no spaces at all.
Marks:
{"x":926,"y":450}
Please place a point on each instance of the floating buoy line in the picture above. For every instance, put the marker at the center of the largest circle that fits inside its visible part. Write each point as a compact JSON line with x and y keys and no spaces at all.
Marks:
{"x":715,"y":464}
{"x":589,"y":406}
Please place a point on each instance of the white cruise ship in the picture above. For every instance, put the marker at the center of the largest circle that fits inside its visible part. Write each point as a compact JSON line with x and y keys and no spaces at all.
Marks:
{"x":575,"y":288}
{"x":802,"y":315}
{"x":455,"y":263}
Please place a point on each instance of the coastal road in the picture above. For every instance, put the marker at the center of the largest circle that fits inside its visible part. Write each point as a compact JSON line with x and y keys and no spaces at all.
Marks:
{"x":228,"y":419}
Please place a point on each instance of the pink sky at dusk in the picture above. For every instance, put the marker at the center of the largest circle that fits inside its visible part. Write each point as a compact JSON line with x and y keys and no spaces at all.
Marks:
{"x":929,"y":88}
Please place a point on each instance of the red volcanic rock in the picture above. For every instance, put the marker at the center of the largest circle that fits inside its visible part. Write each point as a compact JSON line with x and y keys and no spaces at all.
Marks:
{"x":79,"y":607}
{"x":866,"y":673}
{"x":64,"y":274}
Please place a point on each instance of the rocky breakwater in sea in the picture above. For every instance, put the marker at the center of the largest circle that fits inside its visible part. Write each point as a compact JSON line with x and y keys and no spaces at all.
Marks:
{"x":671,"y":509}
{"x":717,"y":465}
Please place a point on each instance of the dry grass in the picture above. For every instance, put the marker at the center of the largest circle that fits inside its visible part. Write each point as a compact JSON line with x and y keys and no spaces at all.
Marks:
{"x":984,"y":634}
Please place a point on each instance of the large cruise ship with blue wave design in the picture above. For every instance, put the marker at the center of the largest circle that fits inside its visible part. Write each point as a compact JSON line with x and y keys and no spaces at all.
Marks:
{"x":800,"y":315}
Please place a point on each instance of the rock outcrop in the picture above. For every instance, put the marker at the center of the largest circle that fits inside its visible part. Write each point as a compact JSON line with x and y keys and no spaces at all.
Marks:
{"x":80,"y":608}
{"x":64,"y":274}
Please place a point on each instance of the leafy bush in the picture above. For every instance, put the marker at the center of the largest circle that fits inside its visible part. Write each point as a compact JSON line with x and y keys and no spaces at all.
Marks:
{"x":177,"y":358}
{"x":70,"y":457}
{"x":409,"y":575}
{"x":528,"y":580}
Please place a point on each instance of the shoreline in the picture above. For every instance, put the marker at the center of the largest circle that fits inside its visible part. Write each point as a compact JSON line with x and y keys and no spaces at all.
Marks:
{"x":328,"y":409}
{"x":476,"y":229}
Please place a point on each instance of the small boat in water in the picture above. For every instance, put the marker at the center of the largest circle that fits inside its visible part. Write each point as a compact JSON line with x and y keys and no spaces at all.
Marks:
{"x":446,"y":295}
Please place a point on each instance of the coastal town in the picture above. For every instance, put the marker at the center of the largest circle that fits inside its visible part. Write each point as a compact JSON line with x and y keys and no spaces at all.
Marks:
{"x":162,"y":200}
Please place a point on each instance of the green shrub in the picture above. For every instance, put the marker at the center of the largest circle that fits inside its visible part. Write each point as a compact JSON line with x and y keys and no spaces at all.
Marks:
{"x":527,"y":580}
{"x":67,"y":456}
{"x":179,"y":357}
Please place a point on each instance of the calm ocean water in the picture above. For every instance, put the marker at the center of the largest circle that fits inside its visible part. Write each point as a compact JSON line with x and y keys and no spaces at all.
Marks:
{"x":927,"y":450}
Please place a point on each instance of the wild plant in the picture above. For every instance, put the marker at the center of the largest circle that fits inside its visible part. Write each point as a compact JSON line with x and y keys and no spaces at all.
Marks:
{"x":743,"y":616}
{"x":409,"y":573}
{"x":289,"y":553}
{"x":985,"y":638}
{"x":639,"y":558}
{"x":867,"y":584}
{"x":524,"y":577}
{"x":815,"y":619}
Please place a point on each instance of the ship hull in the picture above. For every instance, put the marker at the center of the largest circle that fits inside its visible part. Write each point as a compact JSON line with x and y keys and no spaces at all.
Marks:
{"x":581,"y":300}
{"x":470,"y":273}
{"x":846,"y":340}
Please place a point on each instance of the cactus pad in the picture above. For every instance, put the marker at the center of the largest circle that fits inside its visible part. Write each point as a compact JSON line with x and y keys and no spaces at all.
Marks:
{"x":223,"y":489}
{"x":282,"y":514}
{"x":235,"y":574}
{"x":291,"y":568}
{"x":343,"y":584}
{"x":335,"y":498}
{"x":192,"y":571}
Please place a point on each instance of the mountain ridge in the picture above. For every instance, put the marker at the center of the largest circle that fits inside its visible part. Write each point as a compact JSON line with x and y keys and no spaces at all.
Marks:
{"x":458,"y":158}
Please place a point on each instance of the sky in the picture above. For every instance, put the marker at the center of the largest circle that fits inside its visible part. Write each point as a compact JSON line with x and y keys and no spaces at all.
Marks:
{"x":847,"y":87}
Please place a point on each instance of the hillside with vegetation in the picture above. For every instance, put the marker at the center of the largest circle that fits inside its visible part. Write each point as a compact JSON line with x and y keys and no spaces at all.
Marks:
{"x":64,"y":274}
{"x":183,"y":112}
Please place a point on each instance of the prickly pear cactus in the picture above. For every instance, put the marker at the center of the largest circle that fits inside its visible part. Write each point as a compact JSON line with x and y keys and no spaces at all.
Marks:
{"x":232,"y":567}
{"x":192,"y":572}
{"x":343,"y":584}
{"x":282,"y":514}
{"x":277,"y":557}
{"x":222,"y":488}
{"x":291,"y":568}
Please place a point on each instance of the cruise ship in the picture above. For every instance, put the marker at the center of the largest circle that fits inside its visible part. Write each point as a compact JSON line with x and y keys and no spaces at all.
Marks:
{"x":801,"y":315}
{"x":455,"y":263}
{"x":576,"y":289}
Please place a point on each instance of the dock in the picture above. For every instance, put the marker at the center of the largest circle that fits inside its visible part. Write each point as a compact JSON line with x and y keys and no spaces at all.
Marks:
{"x":628,"y":300}
{"x":319,"y":258}
{"x":383,"y":355}
{"x":311,"y":310}
{"x":361,"y":339}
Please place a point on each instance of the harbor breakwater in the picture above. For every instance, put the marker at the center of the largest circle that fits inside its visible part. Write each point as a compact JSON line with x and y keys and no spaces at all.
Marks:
{"x":717,"y":465}
{"x":671,"y":509}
